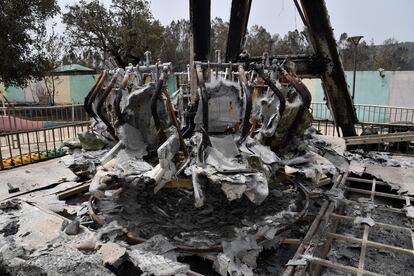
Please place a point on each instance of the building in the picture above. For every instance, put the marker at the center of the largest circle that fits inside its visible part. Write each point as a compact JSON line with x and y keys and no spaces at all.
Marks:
{"x":72,"y":83}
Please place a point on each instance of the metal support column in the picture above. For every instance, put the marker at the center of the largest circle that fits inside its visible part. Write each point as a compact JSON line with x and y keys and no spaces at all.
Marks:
{"x":333,"y":77}
{"x":200,"y":28}
{"x":239,"y":17}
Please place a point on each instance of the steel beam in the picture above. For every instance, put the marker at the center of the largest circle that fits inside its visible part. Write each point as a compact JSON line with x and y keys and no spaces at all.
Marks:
{"x":200,"y":27}
{"x":333,"y":78}
{"x":239,"y":17}
{"x":306,"y":66}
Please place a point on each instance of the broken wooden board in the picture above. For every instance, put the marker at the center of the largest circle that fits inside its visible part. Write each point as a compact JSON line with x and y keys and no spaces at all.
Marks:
{"x":74,"y":190}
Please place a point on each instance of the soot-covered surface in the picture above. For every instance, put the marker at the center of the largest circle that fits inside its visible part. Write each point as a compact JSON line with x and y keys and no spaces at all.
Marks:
{"x":382,"y":261}
{"x":171,"y":212}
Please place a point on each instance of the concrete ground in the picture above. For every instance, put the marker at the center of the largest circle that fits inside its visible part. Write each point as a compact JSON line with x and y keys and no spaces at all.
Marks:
{"x":34,"y":176}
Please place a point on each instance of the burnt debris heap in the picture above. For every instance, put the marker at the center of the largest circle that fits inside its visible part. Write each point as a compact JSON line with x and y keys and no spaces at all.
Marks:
{"x":227,"y":169}
{"x":207,"y":171}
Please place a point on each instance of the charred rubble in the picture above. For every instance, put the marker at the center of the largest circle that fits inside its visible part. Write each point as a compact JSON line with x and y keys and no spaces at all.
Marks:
{"x":224,"y":177}
{"x":230,"y":180}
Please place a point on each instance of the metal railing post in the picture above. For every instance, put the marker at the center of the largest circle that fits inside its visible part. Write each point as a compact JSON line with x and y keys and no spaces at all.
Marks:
{"x":73,"y":112}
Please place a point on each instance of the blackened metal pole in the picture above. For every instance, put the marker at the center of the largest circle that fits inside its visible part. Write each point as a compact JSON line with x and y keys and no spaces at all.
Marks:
{"x":200,"y":38}
{"x":355,"y":40}
{"x":239,"y":17}
{"x":355,"y":62}
{"x":333,"y":77}
{"x":200,"y":28}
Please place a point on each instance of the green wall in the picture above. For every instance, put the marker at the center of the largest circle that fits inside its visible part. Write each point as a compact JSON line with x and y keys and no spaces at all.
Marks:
{"x":172,"y":84}
{"x":370,"y":89}
{"x":79,"y":86}
{"x":15,"y":94}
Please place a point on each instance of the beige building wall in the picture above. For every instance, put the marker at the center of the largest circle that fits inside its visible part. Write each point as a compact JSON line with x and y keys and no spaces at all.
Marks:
{"x":311,"y":85}
{"x":62,"y":87}
{"x":2,"y":90}
{"x":35,"y":92}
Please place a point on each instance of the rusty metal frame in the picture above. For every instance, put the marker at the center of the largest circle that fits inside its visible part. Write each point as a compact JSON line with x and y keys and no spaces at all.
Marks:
{"x":100,"y":107}
{"x":315,"y":16}
{"x":333,"y":76}
{"x":248,"y":92}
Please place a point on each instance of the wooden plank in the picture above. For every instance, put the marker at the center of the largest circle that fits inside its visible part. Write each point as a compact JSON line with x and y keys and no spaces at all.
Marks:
{"x":383,"y":225}
{"x":308,"y":237}
{"x":340,"y":267}
{"x":373,"y":244}
{"x":179,"y":183}
{"x":376,"y":139}
{"x":333,"y":77}
{"x":73,"y":191}
{"x":361,"y":191}
{"x":361,"y":262}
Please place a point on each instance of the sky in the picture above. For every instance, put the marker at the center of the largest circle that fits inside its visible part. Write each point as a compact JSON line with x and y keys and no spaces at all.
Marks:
{"x":376,"y":20}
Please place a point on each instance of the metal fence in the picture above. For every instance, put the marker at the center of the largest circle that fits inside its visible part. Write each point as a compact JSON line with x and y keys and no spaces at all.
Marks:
{"x":31,"y":134}
{"x":25,"y":147}
{"x":38,"y":117}
{"x":327,"y":127}
{"x":370,"y":113}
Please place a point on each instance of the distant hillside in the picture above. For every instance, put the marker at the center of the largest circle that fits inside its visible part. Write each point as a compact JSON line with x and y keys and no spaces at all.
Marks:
{"x":391,"y":56}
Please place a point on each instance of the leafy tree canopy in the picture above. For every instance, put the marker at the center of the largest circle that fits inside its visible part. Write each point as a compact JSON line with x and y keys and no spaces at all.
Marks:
{"x":22,"y":28}
{"x":125,"y":29}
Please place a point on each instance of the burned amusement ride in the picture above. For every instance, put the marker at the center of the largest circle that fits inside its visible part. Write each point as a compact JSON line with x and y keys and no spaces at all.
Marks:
{"x":231,"y":168}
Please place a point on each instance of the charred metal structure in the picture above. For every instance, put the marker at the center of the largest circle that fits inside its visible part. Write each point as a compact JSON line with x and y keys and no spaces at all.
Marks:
{"x":228,"y":177}
{"x":325,"y":63}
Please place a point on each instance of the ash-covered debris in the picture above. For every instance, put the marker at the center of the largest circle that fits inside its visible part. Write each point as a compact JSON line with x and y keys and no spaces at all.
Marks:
{"x":233,"y":183}
{"x":396,"y":170}
{"x":234,"y":178}
{"x":156,"y":256}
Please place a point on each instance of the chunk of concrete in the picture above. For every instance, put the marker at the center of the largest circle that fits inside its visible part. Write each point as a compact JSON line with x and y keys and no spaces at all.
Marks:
{"x":73,"y":227}
{"x":111,"y":253}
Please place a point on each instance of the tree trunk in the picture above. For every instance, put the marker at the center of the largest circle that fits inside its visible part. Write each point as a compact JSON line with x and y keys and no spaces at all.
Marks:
{"x":119,"y":60}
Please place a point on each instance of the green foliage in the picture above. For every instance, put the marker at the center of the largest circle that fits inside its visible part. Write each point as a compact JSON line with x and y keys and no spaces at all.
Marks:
{"x":22,"y":29}
{"x":390,"y":56}
{"x":51,"y":49}
{"x":125,"y":30}
{"x":176,"y":44}
{"x":259,"y":40}
{"x":218,"y":37}
{"x":102,"y":36}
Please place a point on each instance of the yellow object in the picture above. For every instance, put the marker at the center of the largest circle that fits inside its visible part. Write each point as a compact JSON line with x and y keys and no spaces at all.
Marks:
{"x":7,"y":163}
{"x":17,"y":161}
{"x":29,"y":158}
{"x":179,"y":183}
